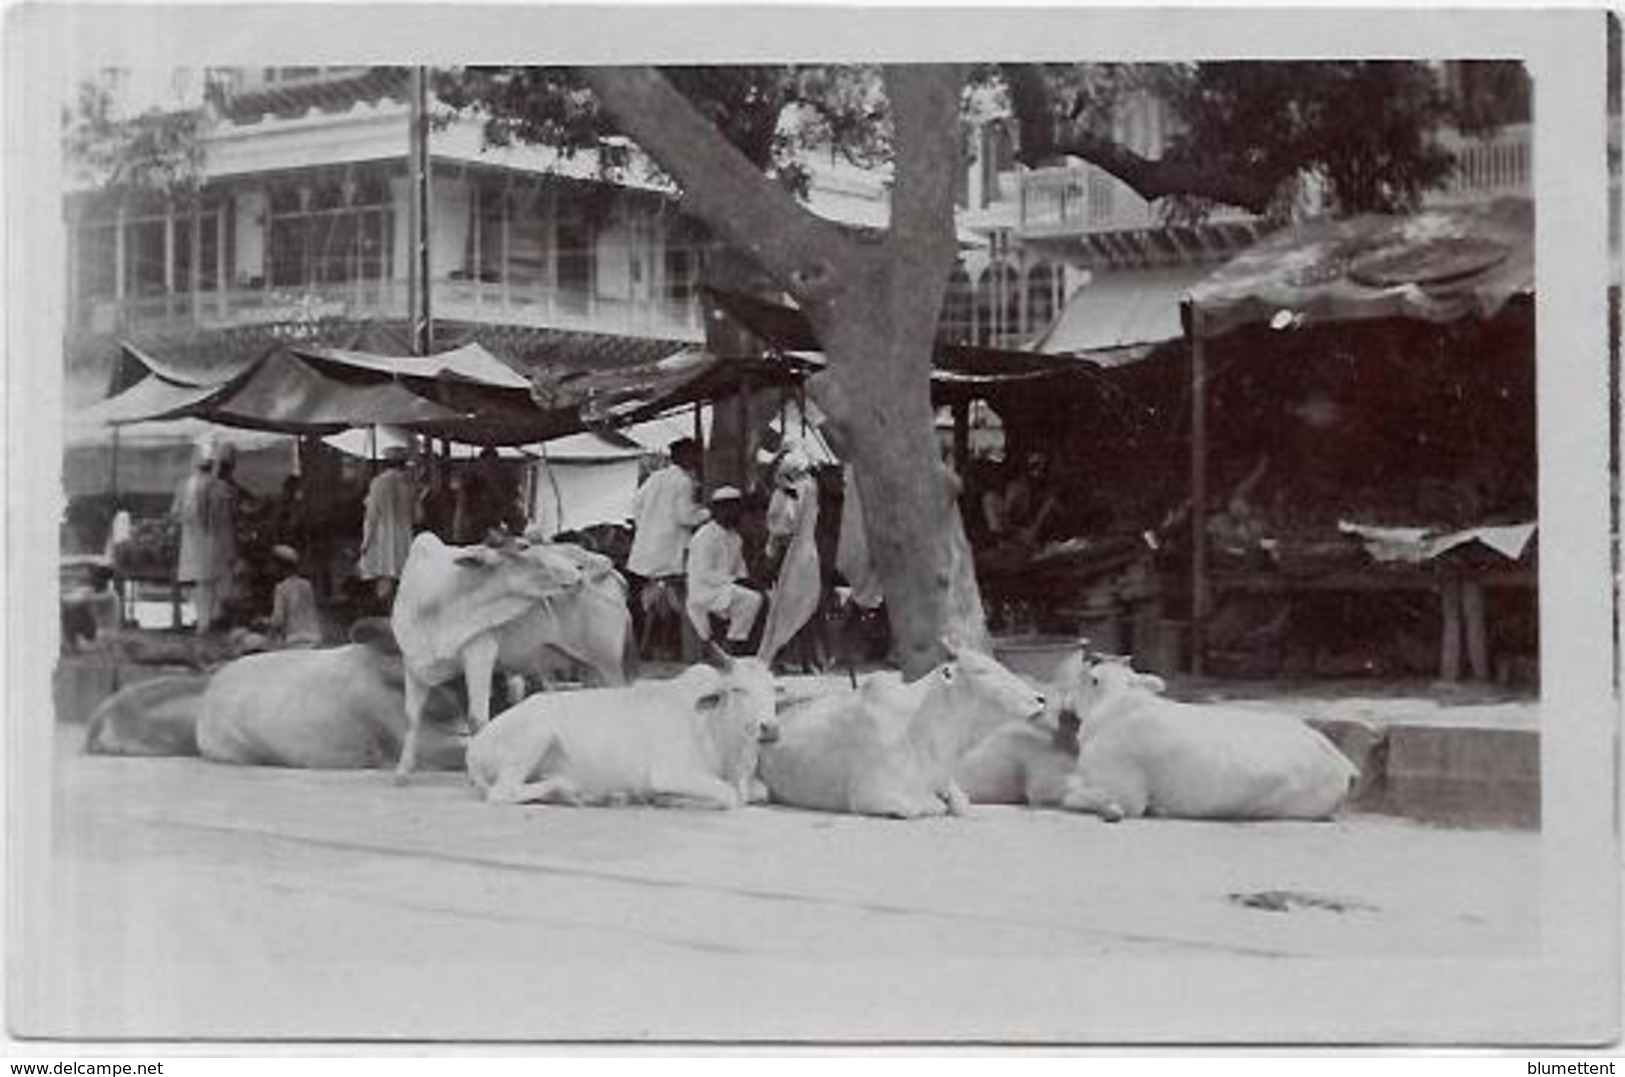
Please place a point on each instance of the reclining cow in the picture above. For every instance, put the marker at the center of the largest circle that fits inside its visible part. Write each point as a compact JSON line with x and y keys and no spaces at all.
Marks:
{"x":155,"y":717}
{"x":473,"y":610}
{"x":889,"y":748}
{"x":341,"y":707}
{"x":691,"y":739}
{"x":1140,"y":754}
{"x":1022,"y":762}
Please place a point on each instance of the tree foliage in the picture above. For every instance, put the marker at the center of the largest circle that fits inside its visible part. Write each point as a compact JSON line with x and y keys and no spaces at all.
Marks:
{"x":157,"y":151}
{"x":1245,"y":133}
{"x":774,"y":115}
{"x":1251,"y":133}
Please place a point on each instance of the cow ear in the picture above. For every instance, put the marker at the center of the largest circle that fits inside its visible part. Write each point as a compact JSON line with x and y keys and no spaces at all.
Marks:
{"x":477,"y":557}
{"x":948,"y":646}
{"x":1151,"y":683}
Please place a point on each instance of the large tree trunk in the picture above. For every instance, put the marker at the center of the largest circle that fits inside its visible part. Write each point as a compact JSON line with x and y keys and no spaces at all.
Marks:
{"x":886,"y":428}
{"x":874,"y":308}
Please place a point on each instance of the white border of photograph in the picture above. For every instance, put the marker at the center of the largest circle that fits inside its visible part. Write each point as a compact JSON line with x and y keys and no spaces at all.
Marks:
{"x":1567,"y":994}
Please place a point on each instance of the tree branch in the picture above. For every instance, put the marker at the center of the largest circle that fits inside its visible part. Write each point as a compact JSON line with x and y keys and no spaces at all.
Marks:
{"x":722,"y":187}
{"x":1045,"y":138}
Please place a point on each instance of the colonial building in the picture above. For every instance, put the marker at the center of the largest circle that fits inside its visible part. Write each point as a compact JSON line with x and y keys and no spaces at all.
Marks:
{"x":1074,"y":237}
{"x":304,"y":215}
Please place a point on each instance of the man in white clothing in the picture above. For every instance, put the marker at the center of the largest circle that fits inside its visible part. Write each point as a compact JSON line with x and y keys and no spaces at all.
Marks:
{"x":665,"y":512}
{"x":716,"y":564}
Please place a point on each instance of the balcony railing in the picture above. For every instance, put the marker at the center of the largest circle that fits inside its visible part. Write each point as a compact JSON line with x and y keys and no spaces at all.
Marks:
{"x":1486,"y":167}
{"x":494,"y":302}
{"x":1081,"y":199}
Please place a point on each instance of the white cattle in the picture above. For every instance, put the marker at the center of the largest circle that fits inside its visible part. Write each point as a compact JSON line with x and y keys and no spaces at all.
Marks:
{"x":1021,"y":763}
{"x":889,"y":748}
{"x":1141,"y":754}
{"x":339,"y":707}
{"x":152,"y":717}
{"x":691,"y":739}
{"x":471,"y":610}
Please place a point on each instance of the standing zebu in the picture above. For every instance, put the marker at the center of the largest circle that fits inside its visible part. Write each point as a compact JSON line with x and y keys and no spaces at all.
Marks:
{"x":473,"y":610}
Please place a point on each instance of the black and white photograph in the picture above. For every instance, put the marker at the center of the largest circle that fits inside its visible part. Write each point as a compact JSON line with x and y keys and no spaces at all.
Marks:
{"x":812,"y":526}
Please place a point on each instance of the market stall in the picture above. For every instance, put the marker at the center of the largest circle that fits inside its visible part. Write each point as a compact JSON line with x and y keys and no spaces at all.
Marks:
{"x":1442,"y":298}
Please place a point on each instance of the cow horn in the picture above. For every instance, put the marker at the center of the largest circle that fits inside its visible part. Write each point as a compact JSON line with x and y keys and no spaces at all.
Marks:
{"x":719,"y":657}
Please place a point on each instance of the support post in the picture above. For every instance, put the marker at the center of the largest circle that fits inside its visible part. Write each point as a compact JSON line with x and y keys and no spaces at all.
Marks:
{"x":961,"y":411}
{"x":1199,"y":451}
{"x":418,"y":265}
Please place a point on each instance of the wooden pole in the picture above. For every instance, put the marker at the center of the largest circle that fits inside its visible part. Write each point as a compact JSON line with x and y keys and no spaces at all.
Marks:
{"x":961,"y":412}
{"x":1199,"y":451}
{"x":418,"y":267}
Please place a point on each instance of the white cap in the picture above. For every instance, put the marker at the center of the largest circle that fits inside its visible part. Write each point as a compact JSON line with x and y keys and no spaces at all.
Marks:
{"x":726,"y":493}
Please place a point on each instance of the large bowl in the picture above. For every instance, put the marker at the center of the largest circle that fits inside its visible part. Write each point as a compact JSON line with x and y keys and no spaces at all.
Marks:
{"x":1037,"y":657}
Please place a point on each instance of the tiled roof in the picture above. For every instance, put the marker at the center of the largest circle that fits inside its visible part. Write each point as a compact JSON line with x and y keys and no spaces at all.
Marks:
{"x":291,"y":99}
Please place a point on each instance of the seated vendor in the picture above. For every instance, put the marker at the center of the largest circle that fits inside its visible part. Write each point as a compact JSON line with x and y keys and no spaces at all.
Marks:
{"x":294,"y":621}
{"x":1023,"y":512}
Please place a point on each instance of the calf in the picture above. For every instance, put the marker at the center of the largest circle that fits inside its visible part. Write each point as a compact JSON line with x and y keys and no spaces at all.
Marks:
{"x":889,"y":748}
{"x":693,"y":739}
{"x":1141,"y":754}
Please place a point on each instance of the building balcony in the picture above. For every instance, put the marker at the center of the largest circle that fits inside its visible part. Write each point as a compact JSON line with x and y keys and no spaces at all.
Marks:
{"x":482,"y":302}
{"x":1499,"y":164}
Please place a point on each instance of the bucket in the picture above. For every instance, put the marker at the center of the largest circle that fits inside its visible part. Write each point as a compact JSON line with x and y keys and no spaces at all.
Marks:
{"x":1171,"y":652}
{"x":1037,"y":657}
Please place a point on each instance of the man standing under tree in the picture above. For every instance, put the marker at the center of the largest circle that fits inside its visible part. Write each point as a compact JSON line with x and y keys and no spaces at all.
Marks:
{"x":386,"y":532}
{"x":665,"y":512}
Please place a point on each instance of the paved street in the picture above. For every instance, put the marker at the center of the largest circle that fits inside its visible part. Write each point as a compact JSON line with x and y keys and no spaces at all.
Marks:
{"x":195,"y":898}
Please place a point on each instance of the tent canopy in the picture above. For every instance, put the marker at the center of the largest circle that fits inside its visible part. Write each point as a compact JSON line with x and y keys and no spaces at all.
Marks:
{"x":1437,"y":265}
{"x":470,"y":363}
{"x":1119,"y":316}
{"x":540,"y":385}
{"x":957,"y":368}
{"x":279,"y":392}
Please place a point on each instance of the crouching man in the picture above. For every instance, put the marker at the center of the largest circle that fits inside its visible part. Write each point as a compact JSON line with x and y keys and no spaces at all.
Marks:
{"x":716,"y":564}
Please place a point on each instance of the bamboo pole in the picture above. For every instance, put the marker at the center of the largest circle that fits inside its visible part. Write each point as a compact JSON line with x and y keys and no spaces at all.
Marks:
{"x":1199,"y":453}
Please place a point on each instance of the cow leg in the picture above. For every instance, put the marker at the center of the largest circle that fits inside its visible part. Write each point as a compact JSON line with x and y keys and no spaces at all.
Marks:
{"x":1082,"y":797}
{"x":479,"y":661}
{"x":896,"y":805}
{"x":956,"y":800}
{"x":417,"y":696}
{"x":707,"y":789}
{"x":546,"y":791}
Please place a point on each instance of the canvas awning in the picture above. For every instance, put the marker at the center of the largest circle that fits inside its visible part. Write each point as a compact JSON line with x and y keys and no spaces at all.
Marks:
{"x":1437,"y":265}
{"x":150,"y":399}
{"x":470,"y":363}
{"x":958,"y":369}
{"x":285,"y":394}
{"x":1118,"y":317}
{"x":279,"y":392}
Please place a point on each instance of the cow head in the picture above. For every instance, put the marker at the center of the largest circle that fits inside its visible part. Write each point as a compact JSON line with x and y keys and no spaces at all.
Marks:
{"x":993,"y":686}
{"x":1109,"y":678}
{"x":739,"y":713}
{"x":529,"y":571}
